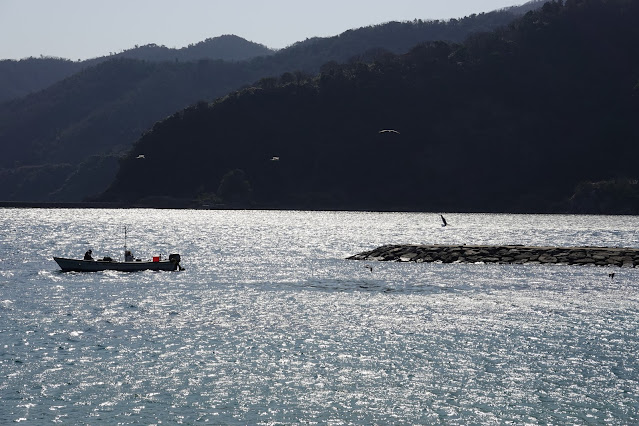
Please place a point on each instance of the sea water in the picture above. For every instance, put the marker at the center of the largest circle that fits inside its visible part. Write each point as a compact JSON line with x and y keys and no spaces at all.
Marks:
{"x":269,"y":324}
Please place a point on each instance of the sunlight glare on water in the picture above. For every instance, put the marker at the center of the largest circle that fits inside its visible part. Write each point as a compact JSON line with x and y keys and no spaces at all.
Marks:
{"x":270,"y":324}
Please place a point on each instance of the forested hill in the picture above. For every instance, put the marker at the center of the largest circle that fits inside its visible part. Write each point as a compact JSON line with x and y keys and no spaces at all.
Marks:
{"x":511,"y":120}
{"x":60,"y":144}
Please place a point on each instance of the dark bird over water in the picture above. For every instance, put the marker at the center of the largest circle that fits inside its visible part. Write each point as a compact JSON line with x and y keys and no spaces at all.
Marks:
{"x":444,"y":223}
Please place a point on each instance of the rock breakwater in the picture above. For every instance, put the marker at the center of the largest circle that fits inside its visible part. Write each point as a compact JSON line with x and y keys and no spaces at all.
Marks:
{"x":514,"y":254}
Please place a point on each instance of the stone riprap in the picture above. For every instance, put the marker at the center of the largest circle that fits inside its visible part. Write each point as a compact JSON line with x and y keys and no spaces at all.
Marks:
{"x":515,"y":254}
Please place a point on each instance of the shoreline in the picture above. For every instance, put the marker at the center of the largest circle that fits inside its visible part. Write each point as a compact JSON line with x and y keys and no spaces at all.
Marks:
{"x":187,"y":206}
{"x":190,"y":205}
{"x":62,"y":205}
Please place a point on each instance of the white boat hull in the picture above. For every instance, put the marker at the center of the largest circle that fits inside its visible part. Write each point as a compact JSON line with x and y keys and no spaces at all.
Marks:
{"x":77,"y":265}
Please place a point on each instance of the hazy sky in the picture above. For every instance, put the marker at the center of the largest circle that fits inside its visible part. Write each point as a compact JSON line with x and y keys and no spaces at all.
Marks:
{"x":81,"y":29}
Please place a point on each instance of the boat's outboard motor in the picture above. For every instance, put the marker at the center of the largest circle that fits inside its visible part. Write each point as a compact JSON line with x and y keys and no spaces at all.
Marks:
{"x":175,"y":258}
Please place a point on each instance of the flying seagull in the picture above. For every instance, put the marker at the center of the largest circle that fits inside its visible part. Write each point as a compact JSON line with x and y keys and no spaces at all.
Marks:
{"x":275,"y":159}
{"x":140,"y":156}
{"x":444,"y":223}
{"x":389,"y":131}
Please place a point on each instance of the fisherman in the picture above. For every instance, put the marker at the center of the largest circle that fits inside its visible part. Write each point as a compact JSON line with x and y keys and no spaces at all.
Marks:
{"x":128,"y":256}
{"x":87,"y":255}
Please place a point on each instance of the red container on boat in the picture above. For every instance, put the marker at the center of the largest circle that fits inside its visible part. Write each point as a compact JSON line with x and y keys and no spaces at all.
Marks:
{"x":156,"y":258}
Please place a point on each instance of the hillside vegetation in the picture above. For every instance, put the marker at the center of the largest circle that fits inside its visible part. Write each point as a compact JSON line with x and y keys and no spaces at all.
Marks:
{"x":509,"y":120}
{"x":103,"y":109}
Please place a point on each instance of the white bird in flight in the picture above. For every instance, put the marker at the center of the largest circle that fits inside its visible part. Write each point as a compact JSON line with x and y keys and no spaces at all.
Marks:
{"x":140,"y":156}
{"x":388,"y":131}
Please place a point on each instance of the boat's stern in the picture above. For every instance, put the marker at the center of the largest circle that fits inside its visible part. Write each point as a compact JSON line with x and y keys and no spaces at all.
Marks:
{"x":175,"y":260}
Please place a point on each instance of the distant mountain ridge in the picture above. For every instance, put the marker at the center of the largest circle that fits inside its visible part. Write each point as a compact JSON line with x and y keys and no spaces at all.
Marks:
{"x":19,"y":78}
{"x":225,"y":47}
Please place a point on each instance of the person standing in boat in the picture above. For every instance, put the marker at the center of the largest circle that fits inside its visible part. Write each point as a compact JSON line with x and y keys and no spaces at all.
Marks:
{"x":87,"y":255}
{"x":128,"y":256}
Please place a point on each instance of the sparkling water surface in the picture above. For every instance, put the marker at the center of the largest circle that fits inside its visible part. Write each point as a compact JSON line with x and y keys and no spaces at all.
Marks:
{"x":270,"y":324}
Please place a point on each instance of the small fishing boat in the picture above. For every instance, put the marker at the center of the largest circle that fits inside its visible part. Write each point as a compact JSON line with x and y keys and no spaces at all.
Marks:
{"x":130,"y":264}
{"x":80,"y":265}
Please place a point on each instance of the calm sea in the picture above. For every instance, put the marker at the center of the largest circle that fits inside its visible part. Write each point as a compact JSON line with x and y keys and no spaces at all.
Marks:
{"x":269,"y":324}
